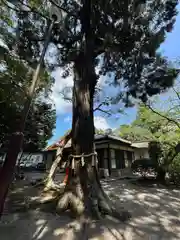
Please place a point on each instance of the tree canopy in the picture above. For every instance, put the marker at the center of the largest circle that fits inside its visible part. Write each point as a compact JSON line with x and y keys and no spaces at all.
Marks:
{"x":15,"y":79}
{"x":151,"y":126}
{"x":13,"y":89}
{"x":124,"y":34}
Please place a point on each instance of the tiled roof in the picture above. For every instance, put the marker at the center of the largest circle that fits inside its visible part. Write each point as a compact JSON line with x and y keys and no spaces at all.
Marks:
{"x":97,"y":137}
{"x":143,"y":144}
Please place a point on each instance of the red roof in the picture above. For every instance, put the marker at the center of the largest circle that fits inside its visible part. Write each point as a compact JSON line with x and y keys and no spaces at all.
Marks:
{"x":54,"y":146}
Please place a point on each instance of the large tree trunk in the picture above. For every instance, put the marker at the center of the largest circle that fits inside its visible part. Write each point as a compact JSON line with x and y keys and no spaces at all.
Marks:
{"x":49,"y":183}
{"x":83,"y":191}
{"x":6,"y":173}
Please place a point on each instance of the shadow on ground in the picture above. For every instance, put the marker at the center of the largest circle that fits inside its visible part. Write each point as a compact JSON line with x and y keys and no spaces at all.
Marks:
{"x":155,"y":209}
{"x":155,"y":215}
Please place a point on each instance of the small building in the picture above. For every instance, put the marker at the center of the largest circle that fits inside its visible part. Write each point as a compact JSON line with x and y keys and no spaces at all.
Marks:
{"x":115,"y":154}
{"x":141,"y":150}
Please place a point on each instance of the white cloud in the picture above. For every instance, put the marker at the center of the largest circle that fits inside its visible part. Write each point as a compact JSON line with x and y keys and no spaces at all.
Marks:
{"x":62,"y":106}
{"x":101,"y":123}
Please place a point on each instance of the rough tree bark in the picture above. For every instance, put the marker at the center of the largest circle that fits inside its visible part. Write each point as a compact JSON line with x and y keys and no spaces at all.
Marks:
{"x":83,"y":192}
{"x":6,"y":173}
{"x":49,"y":182}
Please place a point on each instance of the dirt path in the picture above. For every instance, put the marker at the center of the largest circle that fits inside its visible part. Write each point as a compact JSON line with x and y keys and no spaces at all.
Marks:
{"x":155,"y":215}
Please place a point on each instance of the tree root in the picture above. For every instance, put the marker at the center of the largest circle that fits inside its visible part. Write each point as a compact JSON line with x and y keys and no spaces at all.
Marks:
{"x":51,"y":185}
{"x":71,"y":201}
{"x":121,"y":215}
{"x":89,"y":198}
{"x":107,"y":207}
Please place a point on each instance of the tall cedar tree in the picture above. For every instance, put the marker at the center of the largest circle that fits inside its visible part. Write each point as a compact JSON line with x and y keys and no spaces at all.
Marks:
{"x":122,"y":37}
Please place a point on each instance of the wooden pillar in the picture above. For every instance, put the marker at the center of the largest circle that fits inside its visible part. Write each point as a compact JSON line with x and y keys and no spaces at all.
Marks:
{"x":106,"y":167}
{"x":112,"y":158}
{"x":109,"y":159}
{"x":126,"y":159}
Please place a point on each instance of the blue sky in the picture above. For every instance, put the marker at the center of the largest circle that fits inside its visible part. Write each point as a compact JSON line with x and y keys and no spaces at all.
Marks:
{"x":169,"y":48}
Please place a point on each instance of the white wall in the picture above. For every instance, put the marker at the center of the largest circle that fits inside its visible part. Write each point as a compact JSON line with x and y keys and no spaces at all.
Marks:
{"x":34,"y":158}
{"x":28,"y":158}
{"x":141,"y":153}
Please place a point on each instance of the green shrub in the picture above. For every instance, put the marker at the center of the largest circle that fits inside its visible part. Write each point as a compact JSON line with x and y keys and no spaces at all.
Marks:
{"x":174,"y":170}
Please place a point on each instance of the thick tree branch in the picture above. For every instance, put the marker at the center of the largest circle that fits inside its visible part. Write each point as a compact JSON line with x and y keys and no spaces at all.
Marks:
{"x":98,"y":108}
{"x":67,"y":43}
{"x":163,"y":116}
{"x":102,"y":46}
{"x":31,"y":9}
{"x":63,"y":9}
{"x":99,"y":43}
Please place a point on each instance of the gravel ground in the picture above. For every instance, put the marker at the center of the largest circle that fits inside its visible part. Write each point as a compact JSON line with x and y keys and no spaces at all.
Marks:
{"x":155,"y":215}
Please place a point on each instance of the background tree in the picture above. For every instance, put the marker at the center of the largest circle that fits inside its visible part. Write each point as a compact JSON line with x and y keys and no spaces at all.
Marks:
{"x":147,"y":126}
{"x":171,"y":105}
{"x":133,"y":133}
{"x":99,"y":131}
{"x":168,"y":142}
{"x":161,"y":129}
{"x":125,"y":36}
{"x":15,"y":78}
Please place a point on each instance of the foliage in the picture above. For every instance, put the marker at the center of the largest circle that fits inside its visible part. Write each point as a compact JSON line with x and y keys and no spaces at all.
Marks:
{"x":147,"y":126}
{"x":40,"y":123}
{"x":155,"y":153}
{"x":174,"y":170}
{"x":134,"y":133}
{"x":125,"y":34}
{"x":15,"y":79}
{"x":151,"y":126}
{"x":158,"y":128}
{"x":99,"y":131}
